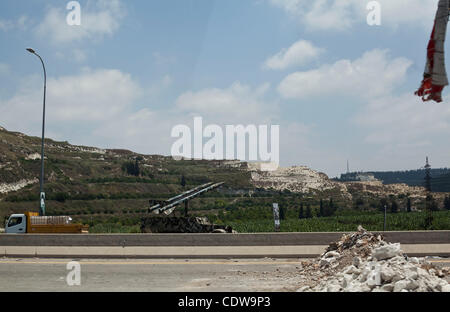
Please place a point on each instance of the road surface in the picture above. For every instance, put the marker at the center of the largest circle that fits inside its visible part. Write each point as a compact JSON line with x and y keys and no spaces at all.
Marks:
{"x":162,"y":275}
{"x":166,"y":246}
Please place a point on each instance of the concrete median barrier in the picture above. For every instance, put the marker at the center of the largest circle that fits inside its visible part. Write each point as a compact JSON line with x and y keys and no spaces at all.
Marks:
{"x":281,"y":245}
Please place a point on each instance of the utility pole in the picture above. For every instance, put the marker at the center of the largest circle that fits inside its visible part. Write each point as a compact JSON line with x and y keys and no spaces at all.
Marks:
{"x":42,"y":193}
{"x":428,"y":176}
{"x":429,"y":198}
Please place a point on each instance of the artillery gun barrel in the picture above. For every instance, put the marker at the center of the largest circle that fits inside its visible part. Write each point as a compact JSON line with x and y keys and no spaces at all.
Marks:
{"x":156,"y":208}
{"x":175,"y":201}
{"x":167,"y":210}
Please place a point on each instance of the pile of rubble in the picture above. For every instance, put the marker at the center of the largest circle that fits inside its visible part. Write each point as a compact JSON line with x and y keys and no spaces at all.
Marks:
{"x":364,"y":262}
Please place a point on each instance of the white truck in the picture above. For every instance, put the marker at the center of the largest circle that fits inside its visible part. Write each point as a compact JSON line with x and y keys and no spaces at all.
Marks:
{"x":31,"y":222}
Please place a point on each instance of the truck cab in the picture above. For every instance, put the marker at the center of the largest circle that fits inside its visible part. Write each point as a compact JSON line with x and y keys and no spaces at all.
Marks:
{"x":16,"y":224}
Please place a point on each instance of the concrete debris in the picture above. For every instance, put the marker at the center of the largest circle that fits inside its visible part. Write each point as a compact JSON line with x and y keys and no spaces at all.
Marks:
{"x":387,"y":252}
{"x":364,"y":262}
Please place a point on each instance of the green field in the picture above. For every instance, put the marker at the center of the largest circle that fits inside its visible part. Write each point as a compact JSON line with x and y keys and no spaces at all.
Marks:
{"x":345,"y":221}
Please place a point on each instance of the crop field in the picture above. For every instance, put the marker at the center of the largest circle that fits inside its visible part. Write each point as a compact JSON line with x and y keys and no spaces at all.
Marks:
{"x":343,"y":221}
{"x":346,"y":221}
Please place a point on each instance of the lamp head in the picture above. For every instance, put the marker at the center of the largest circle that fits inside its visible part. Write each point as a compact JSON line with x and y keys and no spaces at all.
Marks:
{"x":31,"y":50}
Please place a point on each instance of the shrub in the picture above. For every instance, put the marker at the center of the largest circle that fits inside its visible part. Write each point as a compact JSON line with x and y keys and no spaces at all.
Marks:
{"x":61,"y":197}
{"x":447,"y":203}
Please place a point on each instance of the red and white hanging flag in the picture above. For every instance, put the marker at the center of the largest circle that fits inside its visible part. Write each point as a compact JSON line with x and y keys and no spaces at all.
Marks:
{"x":435,"y":75}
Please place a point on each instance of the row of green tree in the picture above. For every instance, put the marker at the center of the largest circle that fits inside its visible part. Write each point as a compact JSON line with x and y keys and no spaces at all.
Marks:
{"x":325,"y":210}
{"x":393,"y":206}
{"x":440,"y":178}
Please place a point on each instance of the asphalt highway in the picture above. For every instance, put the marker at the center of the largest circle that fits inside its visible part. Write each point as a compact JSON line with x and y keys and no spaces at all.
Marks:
{"x":162,"y":275}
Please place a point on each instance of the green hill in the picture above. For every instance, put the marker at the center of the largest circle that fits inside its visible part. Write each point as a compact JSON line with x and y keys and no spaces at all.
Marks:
{"x":110,"y":189}
{"x":95,"y":185}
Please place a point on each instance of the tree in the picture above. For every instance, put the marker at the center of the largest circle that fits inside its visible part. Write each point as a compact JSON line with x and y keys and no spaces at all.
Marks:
{"x":321,"y":210}
{"x":383,"y":204}
{"x":61,"y":197}
{"x":408,"y":205}
{"x":301,"y":215}
{"x":132,"y":168}
{"x":282,"y":213}
{"x":137,"y":170}
{"x":428,"y":207}
{"x":308,"y":214}
{"x":330,"y":209}
{"x":434,"y":205}
{"x":447,"y":203}
{"x":358,"y":203}
{"x":394,"y":207}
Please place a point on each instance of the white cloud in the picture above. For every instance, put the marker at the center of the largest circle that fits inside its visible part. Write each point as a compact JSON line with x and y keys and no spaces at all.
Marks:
{"x":321,"y":14}
{"x":373,"y":74}
{"x":5,"y":25}
{"x":324,"y":15}
{"x":343,"y":14}
{"x":294,"y":143}
{"x":21,"y":24}
{"x":156,"y":91}
{"x":96,"y":22}
{"x":409,"y":12}
{"x":400,"y":131}
{"x":100,"y":108}
{"x":404,"y":119}
{"x":93,"y":96}
{"x":79,"y":55}
{"x":238,"y":100}
{"x":298,"y":54}
{"x":143,"y":131}
{"x":73,"y":55}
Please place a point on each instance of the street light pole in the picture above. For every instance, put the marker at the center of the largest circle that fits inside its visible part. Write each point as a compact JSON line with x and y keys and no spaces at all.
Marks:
{"x":42,"y":193}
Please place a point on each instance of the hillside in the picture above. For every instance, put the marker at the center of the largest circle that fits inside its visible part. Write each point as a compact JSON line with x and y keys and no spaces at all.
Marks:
{"x":440,"y":181}
{"x":86,"y":181}
{"x":110,"y":189}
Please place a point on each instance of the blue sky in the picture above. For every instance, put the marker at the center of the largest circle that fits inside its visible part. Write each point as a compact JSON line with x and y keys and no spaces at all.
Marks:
{"x":339,"y":88}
